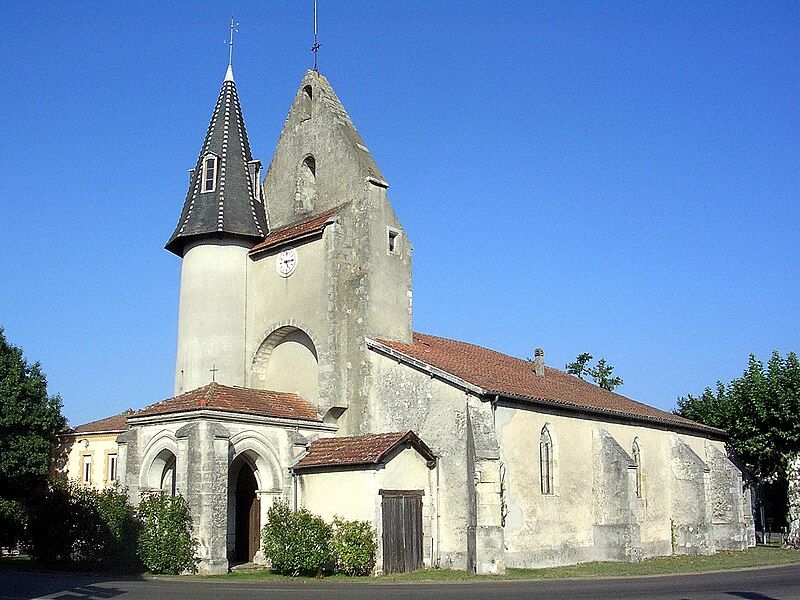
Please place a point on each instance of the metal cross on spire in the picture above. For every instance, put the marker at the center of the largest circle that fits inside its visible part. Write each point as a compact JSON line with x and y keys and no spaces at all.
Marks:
{"x":214,"y":371}
{"x":234,"y":25}
{"x":316,"y":45}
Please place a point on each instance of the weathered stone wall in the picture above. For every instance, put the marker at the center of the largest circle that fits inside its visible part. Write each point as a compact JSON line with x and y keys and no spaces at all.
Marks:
{"x":691,"y":509}
{"x":616,"y":529}
{"x":402,"y":399}
{"x":729,"y":527}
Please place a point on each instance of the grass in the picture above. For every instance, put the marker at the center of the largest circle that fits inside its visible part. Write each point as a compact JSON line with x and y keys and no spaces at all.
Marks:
{"x":760,"y":556}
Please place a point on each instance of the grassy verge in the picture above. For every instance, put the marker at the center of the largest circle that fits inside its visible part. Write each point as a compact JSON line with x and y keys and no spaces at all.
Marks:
{"x":671,"y":565}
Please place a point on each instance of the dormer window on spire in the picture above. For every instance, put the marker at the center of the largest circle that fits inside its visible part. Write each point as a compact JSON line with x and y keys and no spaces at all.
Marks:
{"x":209,"y":180}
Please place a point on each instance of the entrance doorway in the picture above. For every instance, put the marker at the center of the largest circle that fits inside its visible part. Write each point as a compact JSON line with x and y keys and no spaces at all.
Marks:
{"x":402,"y":530}
{"x":247,"y":515}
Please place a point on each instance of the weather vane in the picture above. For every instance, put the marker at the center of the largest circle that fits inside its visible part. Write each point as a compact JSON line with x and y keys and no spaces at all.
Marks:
{"x":316,"y":45}
{"x":230,"y":43}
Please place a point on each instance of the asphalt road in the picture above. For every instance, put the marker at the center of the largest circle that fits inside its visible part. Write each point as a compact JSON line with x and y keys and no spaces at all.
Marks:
{"x":781,"y":583}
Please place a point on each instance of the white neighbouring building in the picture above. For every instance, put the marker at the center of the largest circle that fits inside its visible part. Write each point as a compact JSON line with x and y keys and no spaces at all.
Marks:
{"x":295,"y":299}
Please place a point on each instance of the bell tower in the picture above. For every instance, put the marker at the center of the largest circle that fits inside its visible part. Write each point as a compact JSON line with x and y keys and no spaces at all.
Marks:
{"x":223,"y":217}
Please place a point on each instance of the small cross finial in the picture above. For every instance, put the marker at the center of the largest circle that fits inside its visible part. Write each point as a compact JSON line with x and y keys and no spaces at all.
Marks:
{"x":234,"y":25}
{"x":214,"y":370}
{"x":316,"y":45}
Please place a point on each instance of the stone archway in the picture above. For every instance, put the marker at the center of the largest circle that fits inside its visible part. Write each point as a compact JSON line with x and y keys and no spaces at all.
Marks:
{"x":287,"y":361}
{"x":254,"y":483}
{"x":247,"y":513}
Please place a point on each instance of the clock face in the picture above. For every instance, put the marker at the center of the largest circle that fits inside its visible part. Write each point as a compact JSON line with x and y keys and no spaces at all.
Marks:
{"x":286,"y":262}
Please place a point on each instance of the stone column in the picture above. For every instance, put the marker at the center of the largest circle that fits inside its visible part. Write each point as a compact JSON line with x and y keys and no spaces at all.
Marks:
{"x":793,"y":476}
{"x":205,"y":444}
{"x":129,"y":463}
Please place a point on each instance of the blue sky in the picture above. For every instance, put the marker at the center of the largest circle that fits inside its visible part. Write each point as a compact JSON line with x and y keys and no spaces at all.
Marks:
{"x":618,"y":178}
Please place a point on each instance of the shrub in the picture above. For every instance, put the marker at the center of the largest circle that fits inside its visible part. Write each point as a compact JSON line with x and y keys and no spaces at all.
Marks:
{"x":353,"y":545}
{"x":296,"y":541}
{"x":80,"y":526}
{"x":12,"y":523}
{"x":166,"y":544}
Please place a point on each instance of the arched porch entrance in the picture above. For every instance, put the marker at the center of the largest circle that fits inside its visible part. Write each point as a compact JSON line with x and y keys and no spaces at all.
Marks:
{"x":247,"y":515}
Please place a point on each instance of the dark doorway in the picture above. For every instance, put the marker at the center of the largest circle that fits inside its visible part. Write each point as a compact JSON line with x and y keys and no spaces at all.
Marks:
{"x":248,"y":515}
{"x":402,"y":530}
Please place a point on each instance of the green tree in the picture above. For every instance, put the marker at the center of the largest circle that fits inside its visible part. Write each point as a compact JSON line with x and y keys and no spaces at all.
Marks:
{"x":30,"y":421}
{"x":761,"y":413}
{"x":579,"y":368}
{"x":600,"y":373}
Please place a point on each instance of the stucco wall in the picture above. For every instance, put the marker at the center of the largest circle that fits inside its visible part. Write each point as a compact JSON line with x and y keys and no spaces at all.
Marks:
{"x":354,"y":495}
{"x":542,"y":530}
{"x":211,"y":314}
{"x":99,"y":447}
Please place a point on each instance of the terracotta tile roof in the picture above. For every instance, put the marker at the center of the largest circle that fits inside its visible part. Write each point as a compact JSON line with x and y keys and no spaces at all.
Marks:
{"x":296,"y":230}
{"x":109,"y":424}
{"x":500,"y":374}
{"x":369,"y":449}
{"x":215,"y":396}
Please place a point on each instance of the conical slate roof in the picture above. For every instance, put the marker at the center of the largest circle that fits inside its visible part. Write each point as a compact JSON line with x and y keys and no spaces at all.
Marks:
{"x":231,"y":208}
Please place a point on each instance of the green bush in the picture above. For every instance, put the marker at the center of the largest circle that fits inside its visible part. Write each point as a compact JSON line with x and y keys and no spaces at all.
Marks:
{"x":166,"y":544}
{"x":296,"y":541}
{"x":80,"y":526}
{"x":353,"y":546}
{"x":12,"y":523}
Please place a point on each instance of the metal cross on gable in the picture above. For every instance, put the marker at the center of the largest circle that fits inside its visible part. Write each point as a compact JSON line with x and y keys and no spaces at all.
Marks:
{"x":214,"y":370}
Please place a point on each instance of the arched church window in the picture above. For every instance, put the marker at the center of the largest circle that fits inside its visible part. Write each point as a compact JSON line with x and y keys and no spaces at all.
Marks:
{"x":546,"y":461}
{"x":637,"y":458}
{"x":209,"y":182}
{"x":306,"y":189}
{"x":305,"y":100}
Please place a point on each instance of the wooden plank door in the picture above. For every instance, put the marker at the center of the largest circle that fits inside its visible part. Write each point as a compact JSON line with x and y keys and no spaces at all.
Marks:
{"x":402,"y":531}
{"x":254,"y":541}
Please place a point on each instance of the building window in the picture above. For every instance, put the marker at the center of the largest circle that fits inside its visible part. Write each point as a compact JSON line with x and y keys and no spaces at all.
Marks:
{"x":112,"y":467}
{"x":305,"y":193}
{"x":637,"y":458}
{"x":209,"y":183}
{"x":306,"y":98}
{"x":394,"y":241}
{"x":546,"y":461}
{"x":87,"y":470}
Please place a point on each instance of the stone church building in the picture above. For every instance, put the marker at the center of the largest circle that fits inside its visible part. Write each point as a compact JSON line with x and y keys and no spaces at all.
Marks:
{"x":299,"y":378}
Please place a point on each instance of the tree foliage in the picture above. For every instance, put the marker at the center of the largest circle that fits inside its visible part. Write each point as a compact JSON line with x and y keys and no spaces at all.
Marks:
{"x":601,"y":373}
{"x":30,"y":421}
{"x":760,"y":411}
{"x":166,"y":543}
{"x":70,"y":524}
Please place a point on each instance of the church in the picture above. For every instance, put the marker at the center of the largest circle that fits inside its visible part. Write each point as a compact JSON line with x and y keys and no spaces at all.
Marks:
{"x":299,"y":378}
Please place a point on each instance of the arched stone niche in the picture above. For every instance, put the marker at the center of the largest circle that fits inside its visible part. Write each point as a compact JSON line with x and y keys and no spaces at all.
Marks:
{"x":287,"y":361}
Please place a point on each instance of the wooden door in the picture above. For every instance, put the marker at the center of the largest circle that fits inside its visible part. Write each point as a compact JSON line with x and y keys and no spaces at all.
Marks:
{"x":402,"y":531}
{"x":255,"y":533}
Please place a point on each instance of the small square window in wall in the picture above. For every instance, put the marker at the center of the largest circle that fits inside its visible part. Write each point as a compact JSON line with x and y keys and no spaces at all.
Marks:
{"x":394,"y":241}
